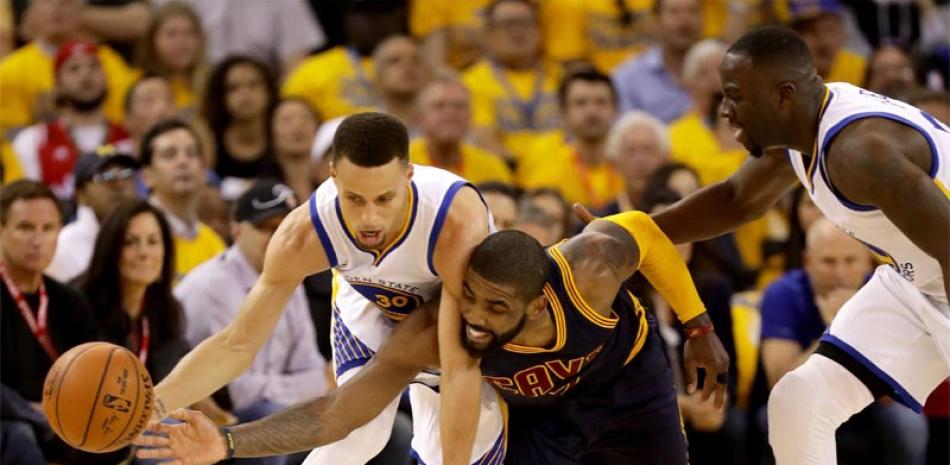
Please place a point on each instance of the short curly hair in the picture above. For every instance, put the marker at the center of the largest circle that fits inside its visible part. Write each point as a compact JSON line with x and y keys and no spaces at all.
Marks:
{"x":371,"y":139}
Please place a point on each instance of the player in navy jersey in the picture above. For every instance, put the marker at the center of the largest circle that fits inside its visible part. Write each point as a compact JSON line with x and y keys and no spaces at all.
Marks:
{"x":574,"y":355}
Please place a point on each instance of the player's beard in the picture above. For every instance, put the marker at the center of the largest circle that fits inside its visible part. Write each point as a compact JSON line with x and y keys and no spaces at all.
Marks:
{"x":84,"y":105}
{"x":497,"y":340}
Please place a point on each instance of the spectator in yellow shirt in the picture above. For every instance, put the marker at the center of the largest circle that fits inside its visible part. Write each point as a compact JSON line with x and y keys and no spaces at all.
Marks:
{"x":701,"y":138}
{"x":822,"y":28}
{"x":400,"y":75}
{"x":576,"y":163}
{"x":513,"y":91}
{"x":603,"y":33}
{"x":174,"y":48}
{"x":638,"y":145}
{"x":174,"y":171}
{"x":26,"y":75}
{"x":444,"y":118}
{"x":339,"y":81}
{"x":451,"y":32}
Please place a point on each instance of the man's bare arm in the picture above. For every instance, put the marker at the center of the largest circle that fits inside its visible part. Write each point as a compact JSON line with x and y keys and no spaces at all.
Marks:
{"x":885,"y":164}
{"x":466,"y":225}
{"x":294,"y":253}
{"x":411,"y":347}
{"x":724,"y":206}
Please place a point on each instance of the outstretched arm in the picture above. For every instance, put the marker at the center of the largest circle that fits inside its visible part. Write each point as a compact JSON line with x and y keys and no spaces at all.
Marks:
{"x":632,"y":241}
{"x":460,"y":384}
{"x":724,"y":206}
{"x":294,"y":253}
{"x":882,"y":163}
{"x":411,"y":347}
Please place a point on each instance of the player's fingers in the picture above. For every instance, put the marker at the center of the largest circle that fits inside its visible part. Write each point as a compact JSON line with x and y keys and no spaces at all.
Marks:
{"x":181,"y":415}
{"x":709,"y":384}
{"x":151,"y":441}
{"x":720,"y":395}
{"x":162,"y":428}
{"x":154,"y":453}
{"x":690,"y":371}
{"x":583,"y":213}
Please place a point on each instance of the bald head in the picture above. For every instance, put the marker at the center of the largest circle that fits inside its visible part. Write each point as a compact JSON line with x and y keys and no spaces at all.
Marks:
{"x":834,"y":259}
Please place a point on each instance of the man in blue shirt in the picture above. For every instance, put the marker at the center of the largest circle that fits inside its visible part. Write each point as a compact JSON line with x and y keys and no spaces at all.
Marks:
{"x":651,"y":80}
{"x":798,"y":307}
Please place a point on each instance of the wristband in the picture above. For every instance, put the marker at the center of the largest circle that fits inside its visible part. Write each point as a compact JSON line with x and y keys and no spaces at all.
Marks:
{"x":698,"y":331}
{"x":228,"y":437}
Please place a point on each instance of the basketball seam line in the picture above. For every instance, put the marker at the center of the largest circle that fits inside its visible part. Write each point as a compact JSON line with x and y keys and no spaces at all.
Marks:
{"x":135,"y":406}
{"x":59,"y":388}
{"x":95,"y":401}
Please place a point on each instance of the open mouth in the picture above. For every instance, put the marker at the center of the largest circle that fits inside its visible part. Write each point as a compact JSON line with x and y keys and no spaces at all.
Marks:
{"x":370,"y":238}
{"x":477,"y":336}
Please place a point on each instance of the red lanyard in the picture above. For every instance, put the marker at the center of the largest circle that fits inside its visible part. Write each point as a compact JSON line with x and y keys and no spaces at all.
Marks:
{"x":143,"y":341}
{"x":584,"y":176}
{"x":37,"y":325}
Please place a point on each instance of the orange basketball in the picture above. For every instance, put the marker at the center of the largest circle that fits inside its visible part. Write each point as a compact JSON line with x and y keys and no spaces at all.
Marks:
{"x":98,"y":397}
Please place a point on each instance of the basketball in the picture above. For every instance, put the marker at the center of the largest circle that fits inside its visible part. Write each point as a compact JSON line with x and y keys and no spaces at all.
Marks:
{"x":98,"y":397}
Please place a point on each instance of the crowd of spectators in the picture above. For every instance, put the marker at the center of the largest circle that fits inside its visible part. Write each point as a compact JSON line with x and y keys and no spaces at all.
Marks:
{"x":149,"y":149}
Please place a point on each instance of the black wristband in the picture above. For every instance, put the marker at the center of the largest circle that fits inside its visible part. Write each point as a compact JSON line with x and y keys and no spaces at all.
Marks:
{"x":228,"y":441}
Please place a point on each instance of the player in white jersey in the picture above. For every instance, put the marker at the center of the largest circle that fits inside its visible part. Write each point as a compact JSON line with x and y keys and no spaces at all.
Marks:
{"x":878,"y":169}
{"x":395,"y":234}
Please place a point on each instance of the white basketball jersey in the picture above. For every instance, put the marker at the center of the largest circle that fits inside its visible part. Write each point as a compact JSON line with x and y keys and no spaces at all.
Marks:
{"x":843,"y":105}
{"x":373,"y":290}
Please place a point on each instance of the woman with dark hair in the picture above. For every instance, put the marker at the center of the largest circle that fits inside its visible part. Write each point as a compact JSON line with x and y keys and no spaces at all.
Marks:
{"x":239,"y":102}
{"x":293,"y":127}
{"x":174,"y":48}
{"x":129,"y":286}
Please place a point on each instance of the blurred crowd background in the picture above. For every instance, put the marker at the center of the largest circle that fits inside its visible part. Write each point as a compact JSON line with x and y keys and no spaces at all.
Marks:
{"x":150,"y":148}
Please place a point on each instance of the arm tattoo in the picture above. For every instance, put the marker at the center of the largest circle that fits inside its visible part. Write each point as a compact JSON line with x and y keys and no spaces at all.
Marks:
{"x":298,"y":428}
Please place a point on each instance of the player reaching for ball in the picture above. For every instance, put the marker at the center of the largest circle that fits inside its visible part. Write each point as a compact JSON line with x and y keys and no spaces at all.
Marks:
{"x":878,"y":169}
{"x":576,"y":358}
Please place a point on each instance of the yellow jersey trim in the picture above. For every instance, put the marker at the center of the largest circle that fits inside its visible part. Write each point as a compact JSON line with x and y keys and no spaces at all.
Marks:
{"x":642,"y":332}
{"x":560,"y":325}
{"x":574,"y":294}
{"x":814,"y":151}
{"x":942,"y":188}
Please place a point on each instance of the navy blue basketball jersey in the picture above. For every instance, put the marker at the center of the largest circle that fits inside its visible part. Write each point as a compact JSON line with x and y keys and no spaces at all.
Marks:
{"x":588,"y":351}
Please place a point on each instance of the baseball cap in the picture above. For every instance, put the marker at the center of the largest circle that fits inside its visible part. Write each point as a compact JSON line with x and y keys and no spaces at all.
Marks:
{"x":805,"y":10}
{"x":266,"y":199}
{"x":91,"y":164}
{"x":72,"y":49}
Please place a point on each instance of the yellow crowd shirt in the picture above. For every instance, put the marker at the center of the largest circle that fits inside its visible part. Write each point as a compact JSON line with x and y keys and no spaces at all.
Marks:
{"x":847,"y":67}
{"x":594,"y":30}
{"x":190,"y":253}
{"x":336,"y":82}
{"x":693,"y":143}
{"x":476,"y":166}
{"x":519,"y":105}
{"x":554,"y":163}
{"x":26,"y":85}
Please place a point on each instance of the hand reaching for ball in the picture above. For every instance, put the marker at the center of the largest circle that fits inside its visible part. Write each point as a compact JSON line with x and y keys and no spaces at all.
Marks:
{"x":195,"y":441}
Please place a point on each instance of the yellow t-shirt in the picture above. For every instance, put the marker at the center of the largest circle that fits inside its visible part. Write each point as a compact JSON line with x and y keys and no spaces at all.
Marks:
{"x":695,"y":144}
{"x":553,"y":163}
{"x":592,"y":30}
{"x":190,"y":253}
{"x":26,"y":84}
{"x":428,"y":16}
{"x":11,"y":164}
{"x":332,"y":84}
{"x":847,"y":67}
{"x":477,"y":165}
{"x":517,"y":118}
{"x":715,"y":13}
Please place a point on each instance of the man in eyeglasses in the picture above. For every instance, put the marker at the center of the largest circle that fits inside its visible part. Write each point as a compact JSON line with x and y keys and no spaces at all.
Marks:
{"x":103,"y":179}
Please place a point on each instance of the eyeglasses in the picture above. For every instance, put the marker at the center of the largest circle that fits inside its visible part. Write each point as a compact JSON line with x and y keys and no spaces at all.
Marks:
{"x":114,"y":175}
